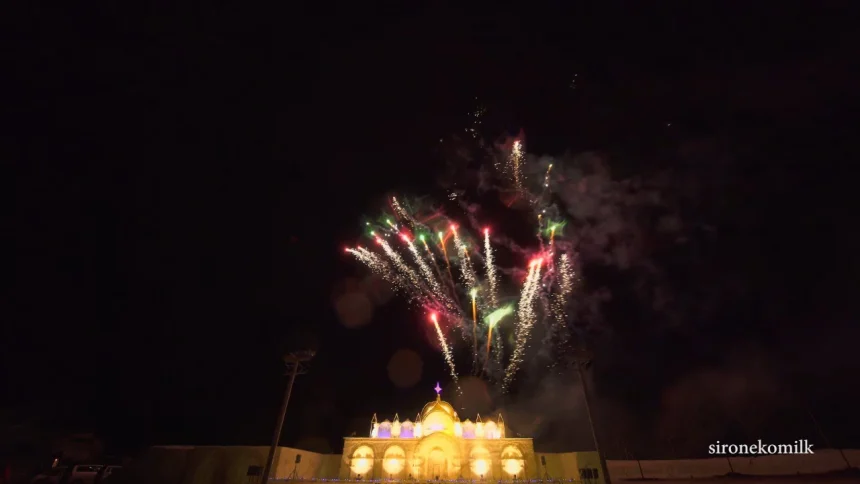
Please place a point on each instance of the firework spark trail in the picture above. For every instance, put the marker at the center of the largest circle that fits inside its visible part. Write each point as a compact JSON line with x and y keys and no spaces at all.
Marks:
{"x":425,"y":269}
{"x":372,"y":257}
{"x":445,"y":349}
{"x":431,"y":256}
{"x":403,"y":214}
{"x":447,"y":281}
{"x":523,"y":319}
{"x":516,"y":161}
{"x":474,"y":294}
{"x":468,"y":272}
{"x":382,"y":268}
{"x":491,"y":270}
{"x":559,"y":333}
{"x":445,"y":253}
{"x":523,"y":315}
{"x":565,"y":284}
{"x":450,"y":306}
{"x":401,"y":265}
{"x":486,"y":304}
{"x":399,"y":210}
{"x":371,"y":260}
{"x":526,"y":316}
{"x":565,"y":269}
{"x":360,"y":256}
{"x":498,"y":348}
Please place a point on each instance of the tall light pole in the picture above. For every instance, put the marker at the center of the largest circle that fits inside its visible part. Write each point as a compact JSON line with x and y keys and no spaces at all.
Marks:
{"x":296,"y":364}
{"x":582,"y":359}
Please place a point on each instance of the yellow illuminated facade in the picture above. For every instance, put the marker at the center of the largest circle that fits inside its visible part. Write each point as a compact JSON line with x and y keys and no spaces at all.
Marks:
{"x":438,"y":445}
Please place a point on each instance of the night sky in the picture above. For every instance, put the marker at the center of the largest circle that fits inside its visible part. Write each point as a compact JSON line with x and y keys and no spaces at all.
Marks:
{"x":185,"y":182}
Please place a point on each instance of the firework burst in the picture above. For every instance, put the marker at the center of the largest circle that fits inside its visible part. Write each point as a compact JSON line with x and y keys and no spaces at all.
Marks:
{"x":481,"y":307}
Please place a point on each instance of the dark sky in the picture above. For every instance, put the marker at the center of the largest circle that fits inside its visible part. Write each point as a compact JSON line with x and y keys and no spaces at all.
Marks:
{"x":184,"y":182}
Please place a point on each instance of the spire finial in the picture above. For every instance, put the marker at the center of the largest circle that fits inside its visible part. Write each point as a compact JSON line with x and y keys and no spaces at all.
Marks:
{"x":438,"y":389}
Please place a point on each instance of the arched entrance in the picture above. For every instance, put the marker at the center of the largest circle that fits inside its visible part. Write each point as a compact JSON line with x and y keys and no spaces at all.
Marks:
{"x":437,"y":455}
{"x":437,"y":464}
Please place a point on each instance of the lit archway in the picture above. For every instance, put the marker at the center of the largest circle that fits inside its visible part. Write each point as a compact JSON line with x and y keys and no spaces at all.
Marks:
{"x":479,"y":462}
{"x":394,"y":460}
{"x":362,"y":460}
{"x":512,"y":461}
{"x":437,"y":454}
{"x":437,"y":464}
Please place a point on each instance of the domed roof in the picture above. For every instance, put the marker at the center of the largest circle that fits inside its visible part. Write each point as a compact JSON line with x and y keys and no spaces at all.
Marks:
{"x":438,"y":404}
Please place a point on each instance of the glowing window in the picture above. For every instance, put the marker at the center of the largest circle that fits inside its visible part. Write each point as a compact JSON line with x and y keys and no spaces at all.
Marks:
{"x":480,"y":462}
{"x":406,"y":430}
{"x":394,"y":460}
{"x":362,"y":460}
{"x":512,"y":460}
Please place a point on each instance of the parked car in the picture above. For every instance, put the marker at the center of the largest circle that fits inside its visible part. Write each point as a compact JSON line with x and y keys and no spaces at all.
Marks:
{"x":84,"y":473}
{"x":51,"y":476}
{"x":106,"y":472}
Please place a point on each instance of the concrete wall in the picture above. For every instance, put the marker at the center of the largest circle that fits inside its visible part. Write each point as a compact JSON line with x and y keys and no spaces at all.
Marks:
{"x":566,"y":465}
{"x":822,"y":461}
{"x":313,"y":465}
{"x":224,"y":465}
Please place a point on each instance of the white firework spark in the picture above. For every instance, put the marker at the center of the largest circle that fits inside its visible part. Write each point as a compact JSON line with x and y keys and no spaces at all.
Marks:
{"x":469,"y":278}
{"x":565,"y":270}
{"x":516,"y":164}
{"x":527,"y":317}
{"x":380,"y":267}
{"x":449,"y":358}
{"x":491,"y":270}
{"x":565,"y":284}
{"x":402,"y":266}
{"x":429,"y":276}
{"x":403,"y":214}
{"x":425,"y":269}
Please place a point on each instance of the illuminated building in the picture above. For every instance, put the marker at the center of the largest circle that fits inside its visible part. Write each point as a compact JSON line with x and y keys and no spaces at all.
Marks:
{"x":438,"y":445}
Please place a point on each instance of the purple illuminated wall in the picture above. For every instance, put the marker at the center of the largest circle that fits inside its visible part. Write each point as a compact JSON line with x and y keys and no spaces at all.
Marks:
{"x":384,"y":432}
{"x":406,"y":431}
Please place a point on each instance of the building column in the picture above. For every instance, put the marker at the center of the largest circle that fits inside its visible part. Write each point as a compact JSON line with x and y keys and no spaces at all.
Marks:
{"x":496,"y":465}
